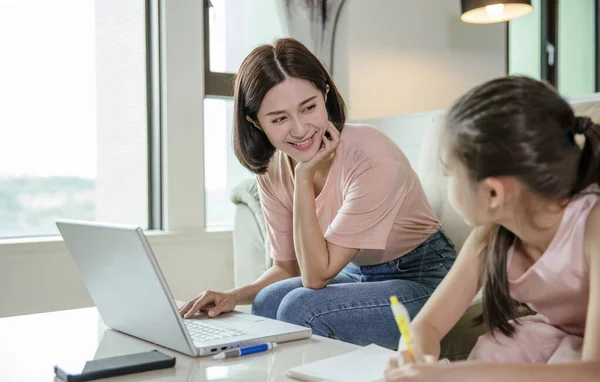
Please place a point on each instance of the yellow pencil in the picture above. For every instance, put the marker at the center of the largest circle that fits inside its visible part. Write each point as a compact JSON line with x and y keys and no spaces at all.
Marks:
{"x":403,"y":321}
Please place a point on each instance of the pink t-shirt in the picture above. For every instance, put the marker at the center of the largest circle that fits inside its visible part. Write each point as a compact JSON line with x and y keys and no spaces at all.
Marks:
{"x":557,"y":285}
{"x":372,"y":200}
{"x":557,"y":288}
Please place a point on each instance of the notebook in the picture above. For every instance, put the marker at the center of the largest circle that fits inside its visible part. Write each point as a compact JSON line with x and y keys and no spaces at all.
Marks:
{"x":363,"y":365}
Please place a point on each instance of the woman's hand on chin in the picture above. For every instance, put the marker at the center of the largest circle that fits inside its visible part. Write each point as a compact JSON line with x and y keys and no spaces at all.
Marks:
{"x":325,"y":152}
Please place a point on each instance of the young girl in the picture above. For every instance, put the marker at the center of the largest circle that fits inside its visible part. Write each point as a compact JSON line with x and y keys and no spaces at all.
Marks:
{"x":348,"y":222}
{"x":516,"y":174}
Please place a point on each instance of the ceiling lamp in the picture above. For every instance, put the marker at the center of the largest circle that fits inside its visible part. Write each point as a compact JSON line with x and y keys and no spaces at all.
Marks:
{"x":493,"y":11}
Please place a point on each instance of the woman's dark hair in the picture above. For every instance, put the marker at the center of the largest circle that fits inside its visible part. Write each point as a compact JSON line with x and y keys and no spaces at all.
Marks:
{"x":265,"y":67}
{"x":520,"y":127}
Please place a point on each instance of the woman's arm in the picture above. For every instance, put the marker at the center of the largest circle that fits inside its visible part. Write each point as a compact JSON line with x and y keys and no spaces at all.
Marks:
{"x":278,"y":224}
{"x":319,"y":260}
{"x":216,"y":303}
{"x":452,"y":297}
{"x":281,"y":270}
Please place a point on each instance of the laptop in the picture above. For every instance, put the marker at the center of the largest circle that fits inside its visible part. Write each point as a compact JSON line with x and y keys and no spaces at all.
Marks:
{"x":127,"y":286}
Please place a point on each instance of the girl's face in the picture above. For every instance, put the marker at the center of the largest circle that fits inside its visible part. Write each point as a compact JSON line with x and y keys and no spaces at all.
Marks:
{"x":467,"y":197}
{"x":294,"y":118}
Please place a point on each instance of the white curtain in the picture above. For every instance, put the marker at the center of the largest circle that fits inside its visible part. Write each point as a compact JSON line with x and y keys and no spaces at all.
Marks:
{"x":313,"y":22}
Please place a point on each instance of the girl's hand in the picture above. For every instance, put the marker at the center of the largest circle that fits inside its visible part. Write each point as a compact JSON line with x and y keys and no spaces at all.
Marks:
{"x":404,"y":357}
{"x":402,"y":369}
{"x":326,"y":151}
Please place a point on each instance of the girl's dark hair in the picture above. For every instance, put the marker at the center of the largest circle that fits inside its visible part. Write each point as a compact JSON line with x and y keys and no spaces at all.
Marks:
{"x":520,"y":127}
{"x":265,"y":67}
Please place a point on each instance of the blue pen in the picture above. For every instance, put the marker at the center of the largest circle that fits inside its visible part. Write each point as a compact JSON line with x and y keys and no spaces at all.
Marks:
{"x":245,"y":351}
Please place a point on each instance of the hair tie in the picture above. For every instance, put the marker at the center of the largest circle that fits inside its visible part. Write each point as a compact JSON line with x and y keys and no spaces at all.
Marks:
{"x":582,"y":124}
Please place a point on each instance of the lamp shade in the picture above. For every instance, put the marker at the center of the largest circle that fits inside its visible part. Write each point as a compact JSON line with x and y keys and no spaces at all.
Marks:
{"x":493,"y":11}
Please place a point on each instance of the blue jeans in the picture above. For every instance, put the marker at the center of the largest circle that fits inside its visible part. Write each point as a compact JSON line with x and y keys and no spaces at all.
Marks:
{"x":355,"y":306}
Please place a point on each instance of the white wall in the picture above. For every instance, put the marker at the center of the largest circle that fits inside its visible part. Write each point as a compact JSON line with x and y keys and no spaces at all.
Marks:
{"x":405,"y":56}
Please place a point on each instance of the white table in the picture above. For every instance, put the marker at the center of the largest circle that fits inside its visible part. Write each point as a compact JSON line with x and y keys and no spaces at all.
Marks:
{"x":31,"y":345}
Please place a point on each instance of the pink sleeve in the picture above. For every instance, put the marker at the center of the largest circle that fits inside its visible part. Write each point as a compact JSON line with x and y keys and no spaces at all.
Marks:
{"x":278,"y":223}
{"x":370,"y":205}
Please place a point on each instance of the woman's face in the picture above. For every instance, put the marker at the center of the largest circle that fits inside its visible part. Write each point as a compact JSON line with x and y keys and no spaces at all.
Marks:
{"x":294,"y":118}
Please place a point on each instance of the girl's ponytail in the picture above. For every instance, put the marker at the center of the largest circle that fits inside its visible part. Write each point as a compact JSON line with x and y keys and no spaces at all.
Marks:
{"x":588,"y":171}
{"x":499,"y":307}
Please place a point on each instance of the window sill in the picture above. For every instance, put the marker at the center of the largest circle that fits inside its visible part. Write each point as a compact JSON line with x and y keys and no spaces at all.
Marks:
{"x":55,"y":244}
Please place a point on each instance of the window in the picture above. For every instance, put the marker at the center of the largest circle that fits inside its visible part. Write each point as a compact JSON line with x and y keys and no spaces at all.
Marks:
{"x":558,"y":42}
{"x":74,"y":122}
{"x":524,"y":41}
{"x":222,"y":170}
{"x":576,"y":57}
{"x":232,"y":29}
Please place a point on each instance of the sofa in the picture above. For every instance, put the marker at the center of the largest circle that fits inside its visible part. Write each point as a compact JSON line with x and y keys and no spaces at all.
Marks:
{"x":417,"y":135}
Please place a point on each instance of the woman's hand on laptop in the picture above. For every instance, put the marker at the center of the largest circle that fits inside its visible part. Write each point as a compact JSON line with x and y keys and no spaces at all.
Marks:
{"x":214,"y":303}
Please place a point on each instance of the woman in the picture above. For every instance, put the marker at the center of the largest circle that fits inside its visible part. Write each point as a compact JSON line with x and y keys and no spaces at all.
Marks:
{"x":348,"y":222}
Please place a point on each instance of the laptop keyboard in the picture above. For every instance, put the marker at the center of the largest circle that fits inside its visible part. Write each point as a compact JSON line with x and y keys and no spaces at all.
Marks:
{"x":203,"y":332}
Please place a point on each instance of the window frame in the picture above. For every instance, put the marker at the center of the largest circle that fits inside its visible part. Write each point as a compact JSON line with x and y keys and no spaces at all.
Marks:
{"x":597,"y":6}
{"x":153,"y":110}
{"x":217,"y":84}
{"x":549,"y":36}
